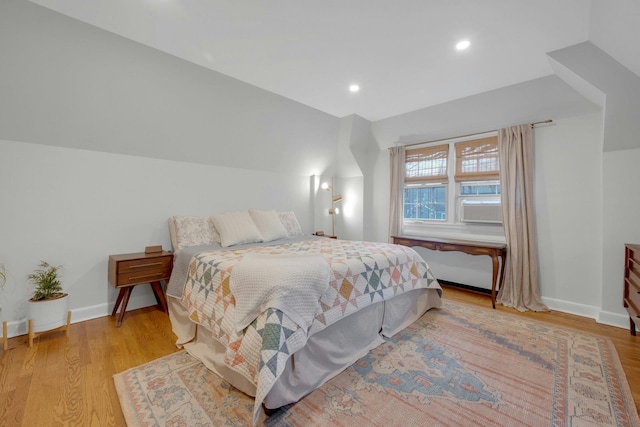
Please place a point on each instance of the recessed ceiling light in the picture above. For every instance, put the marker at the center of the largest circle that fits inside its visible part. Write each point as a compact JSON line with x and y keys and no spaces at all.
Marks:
{"x":463,"y":44}
{"x":354,"y":88}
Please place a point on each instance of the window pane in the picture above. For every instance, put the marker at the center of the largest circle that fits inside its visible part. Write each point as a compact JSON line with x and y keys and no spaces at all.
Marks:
{"x":487,"y":188}
{"x":433,"y":167}
{"x":425,"y":202}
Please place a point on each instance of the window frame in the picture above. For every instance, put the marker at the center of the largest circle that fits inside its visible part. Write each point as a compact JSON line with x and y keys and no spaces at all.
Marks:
{"x":413,"y":185}
{"x":453,"y":192}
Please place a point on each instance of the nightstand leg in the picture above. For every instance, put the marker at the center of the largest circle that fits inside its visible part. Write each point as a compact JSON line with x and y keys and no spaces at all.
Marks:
{"x":31,"y":334}
{"x":118,"y":301}
{"x":159,"y":294}
{"x":5,"y":337}
{"x":127,"y":294}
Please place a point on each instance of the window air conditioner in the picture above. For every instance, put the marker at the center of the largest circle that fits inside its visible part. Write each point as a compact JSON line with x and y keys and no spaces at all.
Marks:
{"x":481,"y":211}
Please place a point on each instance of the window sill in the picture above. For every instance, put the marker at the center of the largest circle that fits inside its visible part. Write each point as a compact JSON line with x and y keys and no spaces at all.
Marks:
{"x":464,"y":231}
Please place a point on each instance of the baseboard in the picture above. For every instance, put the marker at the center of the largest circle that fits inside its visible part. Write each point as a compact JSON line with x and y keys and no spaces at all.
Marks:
{"x":596,"y":313}
{"x":19,"y":327}
{"x":613,"y":319}
{"x":571,"y":307}
{"x":604,"y":317}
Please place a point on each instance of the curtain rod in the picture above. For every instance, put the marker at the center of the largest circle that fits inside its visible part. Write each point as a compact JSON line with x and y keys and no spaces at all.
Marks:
{"x":470,"y":134}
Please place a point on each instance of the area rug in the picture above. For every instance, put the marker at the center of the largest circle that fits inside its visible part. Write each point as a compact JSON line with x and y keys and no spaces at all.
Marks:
{"x":456,"y":366}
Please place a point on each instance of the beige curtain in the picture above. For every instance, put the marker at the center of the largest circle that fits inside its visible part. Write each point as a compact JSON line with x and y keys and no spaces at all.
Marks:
{"x":397,"y":157}
{"x":520,"y":286}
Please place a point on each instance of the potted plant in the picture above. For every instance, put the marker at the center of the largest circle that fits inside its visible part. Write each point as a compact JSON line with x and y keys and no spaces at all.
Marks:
{"x":49,"y":305}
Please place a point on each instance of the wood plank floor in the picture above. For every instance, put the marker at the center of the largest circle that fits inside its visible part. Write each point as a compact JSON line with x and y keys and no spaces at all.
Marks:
{"x":68,"y":382}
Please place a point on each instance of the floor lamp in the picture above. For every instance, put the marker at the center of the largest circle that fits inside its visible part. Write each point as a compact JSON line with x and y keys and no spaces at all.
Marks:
{"x":333,"y":210}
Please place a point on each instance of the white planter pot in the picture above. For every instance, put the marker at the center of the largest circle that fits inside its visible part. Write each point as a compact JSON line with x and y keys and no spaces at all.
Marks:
{"x":49,"y":314}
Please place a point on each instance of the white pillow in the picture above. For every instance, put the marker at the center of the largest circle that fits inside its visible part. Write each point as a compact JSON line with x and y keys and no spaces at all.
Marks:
{"x":193,"y":231}
{"x":236,"y":228}
{"x":269,"y":225}
{"x":290,"y":223}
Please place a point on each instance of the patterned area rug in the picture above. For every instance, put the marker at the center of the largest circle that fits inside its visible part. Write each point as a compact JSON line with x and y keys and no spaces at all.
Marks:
{"x":456,"y":366}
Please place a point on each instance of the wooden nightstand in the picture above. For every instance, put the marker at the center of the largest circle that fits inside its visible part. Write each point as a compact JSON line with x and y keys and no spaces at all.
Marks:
{"x":129,"y":270}
{"x":328,"y":236}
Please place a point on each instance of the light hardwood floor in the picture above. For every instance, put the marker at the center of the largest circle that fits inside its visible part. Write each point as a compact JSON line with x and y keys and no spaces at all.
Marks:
{"x":62,"y":381}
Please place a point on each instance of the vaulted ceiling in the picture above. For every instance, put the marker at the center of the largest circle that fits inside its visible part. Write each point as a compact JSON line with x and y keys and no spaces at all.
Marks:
{"x":401,"y":53}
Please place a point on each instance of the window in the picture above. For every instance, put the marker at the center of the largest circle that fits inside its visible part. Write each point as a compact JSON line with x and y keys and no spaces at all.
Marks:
{"x":477,"y":160}
{"x":426,"y":177}
{"x":476,"y":194}
{"x":425,"y":202}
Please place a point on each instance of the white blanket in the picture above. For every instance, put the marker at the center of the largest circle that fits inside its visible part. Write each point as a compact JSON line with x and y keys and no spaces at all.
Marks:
{"x":290,"y":283}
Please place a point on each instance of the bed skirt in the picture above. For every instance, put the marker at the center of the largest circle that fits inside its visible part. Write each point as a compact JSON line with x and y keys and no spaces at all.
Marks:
{"x":326,"y":353}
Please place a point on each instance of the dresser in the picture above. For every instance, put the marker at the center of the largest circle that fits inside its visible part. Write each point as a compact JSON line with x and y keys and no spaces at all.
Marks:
{"x":631,"y":296}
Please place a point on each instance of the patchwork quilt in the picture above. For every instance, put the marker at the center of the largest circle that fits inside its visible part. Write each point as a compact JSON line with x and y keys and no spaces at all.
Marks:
{"x":362,"y":273}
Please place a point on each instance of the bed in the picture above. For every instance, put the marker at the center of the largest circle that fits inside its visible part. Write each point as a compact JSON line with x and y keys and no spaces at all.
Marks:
{"x":279,"y":318}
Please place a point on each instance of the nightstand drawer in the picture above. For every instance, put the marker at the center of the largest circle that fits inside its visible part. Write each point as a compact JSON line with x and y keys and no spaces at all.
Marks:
{"x":138,"y":268}
{"x":143,"y":276}
{"x":156,"y":264}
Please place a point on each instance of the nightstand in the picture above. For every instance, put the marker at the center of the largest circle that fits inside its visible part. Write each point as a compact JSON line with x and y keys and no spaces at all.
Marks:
{"x":129,"y":270}
{"x":328,"y":236}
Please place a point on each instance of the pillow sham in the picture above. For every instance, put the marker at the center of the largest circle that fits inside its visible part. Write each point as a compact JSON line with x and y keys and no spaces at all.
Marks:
{"x":269,"y":225}
{"x":236,"y":228}
{"x":193,"y":231}
{"x":290,"y":222}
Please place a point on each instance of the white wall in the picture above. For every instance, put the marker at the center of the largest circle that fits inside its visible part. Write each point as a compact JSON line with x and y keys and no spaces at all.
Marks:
{"x":603,"y":78}
{"x":349,"y":223}
{"x":76,"y":207}
{"x":621,"y":204}
{"x":568,"y":200}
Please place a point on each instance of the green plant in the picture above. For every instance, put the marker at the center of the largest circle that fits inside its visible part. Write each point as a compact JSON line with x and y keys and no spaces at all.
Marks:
{"x":45,"y":278}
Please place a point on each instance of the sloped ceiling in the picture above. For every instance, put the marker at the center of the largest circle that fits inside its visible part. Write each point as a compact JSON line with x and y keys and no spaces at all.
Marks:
{"x":402,"y":54}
